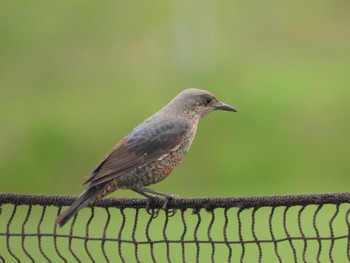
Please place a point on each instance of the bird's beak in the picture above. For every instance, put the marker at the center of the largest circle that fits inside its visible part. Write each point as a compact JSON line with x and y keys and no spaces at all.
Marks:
{"x":223,"y":106}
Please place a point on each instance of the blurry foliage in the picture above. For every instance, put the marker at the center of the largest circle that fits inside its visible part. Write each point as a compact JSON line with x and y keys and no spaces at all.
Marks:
{"x":76,"y":76}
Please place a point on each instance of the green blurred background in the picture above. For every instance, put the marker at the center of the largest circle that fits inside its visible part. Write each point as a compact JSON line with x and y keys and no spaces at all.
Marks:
{"x":76,"y":76}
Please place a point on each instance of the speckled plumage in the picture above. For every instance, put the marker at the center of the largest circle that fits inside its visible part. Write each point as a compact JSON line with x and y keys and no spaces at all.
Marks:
{"x":155,"y":171}
{"x":150,"y":152}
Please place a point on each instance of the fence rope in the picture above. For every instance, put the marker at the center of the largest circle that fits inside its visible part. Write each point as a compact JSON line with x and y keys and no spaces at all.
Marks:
{"x":184,"y":203}
{"x":290,"y":228}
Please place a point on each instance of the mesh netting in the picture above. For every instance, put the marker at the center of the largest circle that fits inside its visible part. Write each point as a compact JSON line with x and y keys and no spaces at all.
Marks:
{"x":300,"y":228}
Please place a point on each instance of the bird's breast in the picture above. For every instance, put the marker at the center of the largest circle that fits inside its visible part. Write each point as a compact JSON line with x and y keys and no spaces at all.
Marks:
{"x":159,"y":169}
{"x":165,"y":165}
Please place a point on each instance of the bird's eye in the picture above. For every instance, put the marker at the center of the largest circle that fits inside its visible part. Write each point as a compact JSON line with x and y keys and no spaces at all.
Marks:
{"x":207,"y":100}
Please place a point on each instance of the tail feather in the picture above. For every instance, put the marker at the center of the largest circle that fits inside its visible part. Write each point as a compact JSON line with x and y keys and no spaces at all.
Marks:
{"x":83,"y":200}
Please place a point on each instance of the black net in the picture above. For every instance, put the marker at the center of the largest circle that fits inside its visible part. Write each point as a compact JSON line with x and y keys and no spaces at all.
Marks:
{"x":300,"y":228}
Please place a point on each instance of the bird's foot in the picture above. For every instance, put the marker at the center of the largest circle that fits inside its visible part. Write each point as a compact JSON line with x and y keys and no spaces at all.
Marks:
{"x":153,"y":212}
{"x":170,"y":212}
{"x":154,"y":195}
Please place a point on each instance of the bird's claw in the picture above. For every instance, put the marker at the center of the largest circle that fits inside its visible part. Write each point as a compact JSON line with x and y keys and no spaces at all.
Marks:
{"x":154,"y":212}
{"x":170,"y":212}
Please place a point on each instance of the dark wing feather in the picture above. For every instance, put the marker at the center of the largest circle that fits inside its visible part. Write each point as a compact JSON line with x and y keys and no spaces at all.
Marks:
{"x":145,"y":144}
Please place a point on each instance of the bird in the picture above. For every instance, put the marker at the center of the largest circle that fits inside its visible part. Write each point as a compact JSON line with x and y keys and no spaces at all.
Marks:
{"x":150,"y":152}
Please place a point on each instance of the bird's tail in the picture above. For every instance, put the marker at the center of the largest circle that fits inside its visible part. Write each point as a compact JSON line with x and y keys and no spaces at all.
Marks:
{"x":83,"y":200}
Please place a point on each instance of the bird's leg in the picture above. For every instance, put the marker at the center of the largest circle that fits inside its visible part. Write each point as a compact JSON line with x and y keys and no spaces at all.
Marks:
{"x":166,"y":196}
{"x":151,"y":194}
{"x":141,"y":192}
{"x":154,"y":213}
{"x":150,"y":191}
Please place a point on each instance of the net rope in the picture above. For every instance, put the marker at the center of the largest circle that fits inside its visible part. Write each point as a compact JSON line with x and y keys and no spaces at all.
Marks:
{"x":291,"y":228}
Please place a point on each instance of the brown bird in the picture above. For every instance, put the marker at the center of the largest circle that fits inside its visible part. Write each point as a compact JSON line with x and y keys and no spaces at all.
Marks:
{"x":149,"y":152}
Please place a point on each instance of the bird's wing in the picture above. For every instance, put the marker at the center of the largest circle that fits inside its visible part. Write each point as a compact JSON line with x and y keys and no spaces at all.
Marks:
{"x":143,"y":145}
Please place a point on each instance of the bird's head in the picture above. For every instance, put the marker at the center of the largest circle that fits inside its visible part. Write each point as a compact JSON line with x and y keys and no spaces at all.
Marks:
{"x":198,"y":103}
